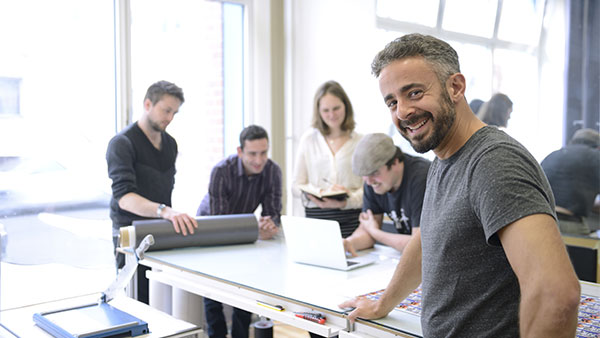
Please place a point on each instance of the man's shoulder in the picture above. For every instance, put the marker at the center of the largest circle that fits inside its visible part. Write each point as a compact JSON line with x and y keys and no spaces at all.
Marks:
{"x":583,"y":151}
{"x":416,"y":160}
{"x":552,"y":155}
{"x":272,"y":172}
{"x":128,"y":134}
{"x":416,"y":166}
{"x":228,"y":162}
{"x":130,"y":130}
{"x":273,"y":164}
{"x":492,"y":136}
{"x":496,"y":161}
{"x":225,"y":170}
{"x":124,"y":138}
{"x":489,"y":143}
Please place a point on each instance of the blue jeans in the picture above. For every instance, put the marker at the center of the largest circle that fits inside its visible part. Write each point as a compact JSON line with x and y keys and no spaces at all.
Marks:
{"x":215,"y":319}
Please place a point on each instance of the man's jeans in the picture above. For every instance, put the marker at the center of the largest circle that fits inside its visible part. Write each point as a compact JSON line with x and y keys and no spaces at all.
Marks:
{"x":215,"y":320}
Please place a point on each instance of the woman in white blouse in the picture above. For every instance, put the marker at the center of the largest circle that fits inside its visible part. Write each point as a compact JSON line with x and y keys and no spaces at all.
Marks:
{"x":324,"y":161}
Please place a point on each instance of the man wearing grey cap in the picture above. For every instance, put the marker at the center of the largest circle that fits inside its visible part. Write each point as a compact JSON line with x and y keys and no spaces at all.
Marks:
{"x":574,"y":175}
{"x":394,"y":184}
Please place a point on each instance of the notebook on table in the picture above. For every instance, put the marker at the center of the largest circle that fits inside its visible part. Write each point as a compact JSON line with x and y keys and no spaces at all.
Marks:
{"x":319,"y":242}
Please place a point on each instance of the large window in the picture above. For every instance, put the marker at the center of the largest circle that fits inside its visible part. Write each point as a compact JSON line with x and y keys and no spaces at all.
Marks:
{"x":74,"y":73}
{"x":58,"y":97}
{"x":503,"y":47}
{"x":199,"y":46}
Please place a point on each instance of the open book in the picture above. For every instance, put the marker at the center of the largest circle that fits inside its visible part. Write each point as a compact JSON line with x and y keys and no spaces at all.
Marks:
{"x":338,"y":195}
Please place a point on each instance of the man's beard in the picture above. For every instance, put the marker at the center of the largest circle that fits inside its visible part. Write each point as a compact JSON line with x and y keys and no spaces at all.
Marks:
{"x":156,"y":127}
{"x":441,"y":126}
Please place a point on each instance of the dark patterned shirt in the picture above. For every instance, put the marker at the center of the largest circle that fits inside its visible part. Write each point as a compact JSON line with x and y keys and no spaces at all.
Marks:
{"x":231,"y":191}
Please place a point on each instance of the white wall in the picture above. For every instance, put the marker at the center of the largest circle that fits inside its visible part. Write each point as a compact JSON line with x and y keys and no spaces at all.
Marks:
{"x":335,"y":40}
{"x":332,"y":40}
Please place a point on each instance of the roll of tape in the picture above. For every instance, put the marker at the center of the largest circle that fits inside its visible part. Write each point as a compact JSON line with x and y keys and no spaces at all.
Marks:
{"x":125,"y":238}
{"x":263,"y":329}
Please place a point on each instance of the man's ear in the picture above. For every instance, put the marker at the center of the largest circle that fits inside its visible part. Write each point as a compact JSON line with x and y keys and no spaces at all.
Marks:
{"x":147,"y":105}
{"x":456,"y":86}
{"x":239,"y":151}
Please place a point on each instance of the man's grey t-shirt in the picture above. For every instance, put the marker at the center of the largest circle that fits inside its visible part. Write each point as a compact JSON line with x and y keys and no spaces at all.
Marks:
{"x":469,"y":288}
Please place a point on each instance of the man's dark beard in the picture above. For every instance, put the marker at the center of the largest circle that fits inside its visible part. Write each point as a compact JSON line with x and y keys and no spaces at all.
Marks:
{"x":155,"y":126}
{"x":441,"y":125}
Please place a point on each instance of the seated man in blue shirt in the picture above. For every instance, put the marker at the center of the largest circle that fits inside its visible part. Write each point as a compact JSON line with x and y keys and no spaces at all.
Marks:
{"x":394,"y":185}
{"x":574,"y":175}
{"x":238,"y":185}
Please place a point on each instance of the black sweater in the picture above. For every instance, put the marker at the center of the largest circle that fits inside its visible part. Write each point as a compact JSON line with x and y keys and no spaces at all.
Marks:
{"x":135,"y":165}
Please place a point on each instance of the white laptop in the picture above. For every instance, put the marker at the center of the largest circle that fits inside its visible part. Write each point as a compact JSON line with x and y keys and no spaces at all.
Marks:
{"x":319,"y":242}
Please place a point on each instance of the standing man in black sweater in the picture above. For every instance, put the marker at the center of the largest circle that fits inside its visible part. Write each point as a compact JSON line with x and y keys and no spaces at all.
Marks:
{"x":141,"y":165}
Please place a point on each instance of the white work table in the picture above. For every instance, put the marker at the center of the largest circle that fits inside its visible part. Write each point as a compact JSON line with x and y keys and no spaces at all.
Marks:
{"x":20,"y":322}
{"x":239,"y":275}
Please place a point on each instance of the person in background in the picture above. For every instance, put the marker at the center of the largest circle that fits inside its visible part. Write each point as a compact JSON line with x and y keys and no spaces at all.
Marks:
{"x":324,"y":159}
{"x":394,"y":185}
{"x":475,"y":104}
{"x":141,"y":165}
{"x":574,"y":175}
{"x":238,"y":185}
{"x":496,"y":111}
{"x":489,"y":256}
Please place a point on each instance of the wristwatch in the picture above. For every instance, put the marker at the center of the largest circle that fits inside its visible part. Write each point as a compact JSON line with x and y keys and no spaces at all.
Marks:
{"x":160,"y":209}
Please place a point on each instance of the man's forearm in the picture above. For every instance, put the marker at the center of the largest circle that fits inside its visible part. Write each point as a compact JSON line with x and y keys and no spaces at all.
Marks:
{"x":550,"y":316}
{"x":550,"y":290}
{"x":396,"y":241}
{"x":361,"y":239}
{"x":407,"y":275}
{"x":138,"y":205}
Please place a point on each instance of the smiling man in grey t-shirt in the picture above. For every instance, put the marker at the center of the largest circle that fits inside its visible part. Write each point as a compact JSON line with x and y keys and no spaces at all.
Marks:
{"x":489,"y":256}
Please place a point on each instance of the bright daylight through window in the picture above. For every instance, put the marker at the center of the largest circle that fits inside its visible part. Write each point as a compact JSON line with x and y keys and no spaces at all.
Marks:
{"x":60,"y":93}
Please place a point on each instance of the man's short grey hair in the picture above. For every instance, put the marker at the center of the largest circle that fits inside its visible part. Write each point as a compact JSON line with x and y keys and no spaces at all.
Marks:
{"x":439,"y":54}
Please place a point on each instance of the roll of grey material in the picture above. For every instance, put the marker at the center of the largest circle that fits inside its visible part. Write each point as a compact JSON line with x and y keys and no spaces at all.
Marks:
{"x":211,"y":231}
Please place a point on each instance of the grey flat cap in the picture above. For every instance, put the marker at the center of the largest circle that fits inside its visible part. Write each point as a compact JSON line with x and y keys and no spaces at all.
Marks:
{"x":371,"y":153}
